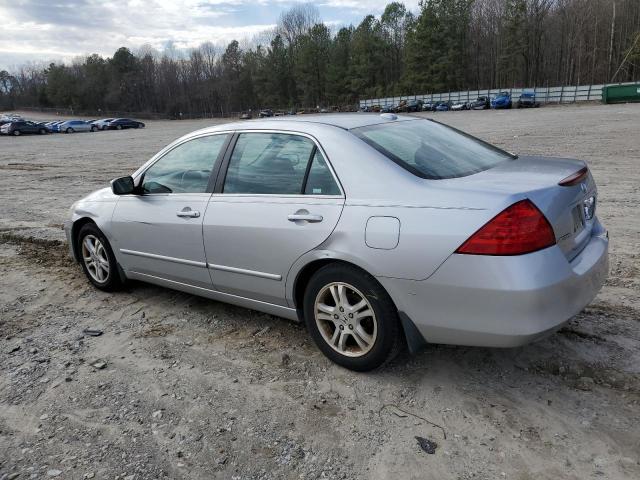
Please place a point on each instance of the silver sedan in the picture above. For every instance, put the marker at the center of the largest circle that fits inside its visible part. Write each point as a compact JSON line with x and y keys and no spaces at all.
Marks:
{"x":374,"y":230}
{"x":73,"y":126}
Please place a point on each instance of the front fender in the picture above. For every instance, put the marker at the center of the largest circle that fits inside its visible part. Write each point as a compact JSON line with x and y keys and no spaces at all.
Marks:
{"x":98,"y":212}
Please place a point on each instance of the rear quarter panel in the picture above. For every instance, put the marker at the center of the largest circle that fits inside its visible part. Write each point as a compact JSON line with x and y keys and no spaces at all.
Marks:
{"x":428,"y":235}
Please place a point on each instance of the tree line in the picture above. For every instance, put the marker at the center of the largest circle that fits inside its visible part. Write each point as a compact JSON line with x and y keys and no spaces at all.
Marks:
{"x":447,"y":45}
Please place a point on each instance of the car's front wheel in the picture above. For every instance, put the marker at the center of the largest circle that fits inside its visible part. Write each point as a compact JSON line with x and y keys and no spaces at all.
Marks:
{"x":69,"y":130}
{"x":119,"y":127}
{"x":94,"y":128}
{"x":16,"y":133}
{"x":97,"y":258}
{"x":351,"y":317}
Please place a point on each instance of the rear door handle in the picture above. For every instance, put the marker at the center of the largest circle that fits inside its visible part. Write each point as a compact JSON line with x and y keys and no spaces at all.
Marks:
{"x":308,"y":217}
{"x":188,"y":213}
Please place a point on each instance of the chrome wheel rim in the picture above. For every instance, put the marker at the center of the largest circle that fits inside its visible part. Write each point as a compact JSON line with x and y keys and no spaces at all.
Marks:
{"x":95,"y":258}
{"x":345,"y":319}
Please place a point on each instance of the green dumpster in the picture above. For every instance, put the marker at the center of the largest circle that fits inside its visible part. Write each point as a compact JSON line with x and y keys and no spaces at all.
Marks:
{"x":621,"y":93}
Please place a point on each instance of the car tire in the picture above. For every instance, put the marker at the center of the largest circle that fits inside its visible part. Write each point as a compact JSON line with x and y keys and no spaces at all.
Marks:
{"x":17,"y":133}
{"x":100,"y":267}
{"x":357,"y":344}
{"x":94,"y":128}
{"x":69,"y":130}
{"x":119,"y":127}
{"x":42,"y":131}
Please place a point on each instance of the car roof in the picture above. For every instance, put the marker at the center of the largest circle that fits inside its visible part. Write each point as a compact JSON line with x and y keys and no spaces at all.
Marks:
{"x":346,"y":121}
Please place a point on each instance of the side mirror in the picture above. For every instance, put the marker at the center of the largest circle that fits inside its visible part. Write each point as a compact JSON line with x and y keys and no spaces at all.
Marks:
{"x":122,"y":186}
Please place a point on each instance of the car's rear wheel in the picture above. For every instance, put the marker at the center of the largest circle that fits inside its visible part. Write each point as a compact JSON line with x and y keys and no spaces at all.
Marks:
{"x":17,"y":133}
{"x":119,"y":127}
{"x":42,"y":131}
{"x":97,"y":258}
{"x":94,"y":128}
{"x":69,"y":130}
{"x":351,"y":317}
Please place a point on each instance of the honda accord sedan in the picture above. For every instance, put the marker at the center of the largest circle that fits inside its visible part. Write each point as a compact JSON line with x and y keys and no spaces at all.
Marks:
{"x":374,"y":230}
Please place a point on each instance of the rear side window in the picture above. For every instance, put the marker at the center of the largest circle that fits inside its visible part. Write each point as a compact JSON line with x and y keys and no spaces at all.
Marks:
{"x":431,"y":150}
{"x":268,"y":163}
{"x":320,"y":181}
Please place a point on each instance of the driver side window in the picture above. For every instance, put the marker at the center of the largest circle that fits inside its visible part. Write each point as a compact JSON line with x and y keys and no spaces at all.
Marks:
{"x":186,"y":168}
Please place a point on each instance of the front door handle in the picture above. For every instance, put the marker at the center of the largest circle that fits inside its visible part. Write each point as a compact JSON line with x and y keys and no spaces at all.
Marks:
{"x":187,"y":212}
{"x":307,"y":217}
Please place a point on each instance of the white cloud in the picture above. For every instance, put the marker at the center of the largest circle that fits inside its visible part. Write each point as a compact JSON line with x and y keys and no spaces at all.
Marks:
{"x":43,"y":30}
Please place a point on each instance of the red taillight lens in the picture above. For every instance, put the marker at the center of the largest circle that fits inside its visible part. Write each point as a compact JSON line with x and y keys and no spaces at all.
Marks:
{"x":574,"y":178}
{"x":519,"y":229}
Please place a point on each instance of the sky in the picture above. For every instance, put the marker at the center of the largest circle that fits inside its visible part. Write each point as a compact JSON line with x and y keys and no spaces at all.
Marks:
{"x":37,"y":31}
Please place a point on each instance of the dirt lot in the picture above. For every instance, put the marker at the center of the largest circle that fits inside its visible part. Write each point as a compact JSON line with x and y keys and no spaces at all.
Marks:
{"x":191,"y":388}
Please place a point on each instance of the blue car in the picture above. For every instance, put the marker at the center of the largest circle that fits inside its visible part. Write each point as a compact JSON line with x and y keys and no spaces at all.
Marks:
{"x":53,"y":127}
{"x":443,"y":107}
{"x":502,"y":100}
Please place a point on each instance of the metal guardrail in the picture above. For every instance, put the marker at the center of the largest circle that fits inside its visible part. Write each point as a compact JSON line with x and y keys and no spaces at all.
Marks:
{"x":563,"y":94}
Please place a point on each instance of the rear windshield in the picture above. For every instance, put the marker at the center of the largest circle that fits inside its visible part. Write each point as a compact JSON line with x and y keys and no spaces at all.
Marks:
{"x":432,"y":150}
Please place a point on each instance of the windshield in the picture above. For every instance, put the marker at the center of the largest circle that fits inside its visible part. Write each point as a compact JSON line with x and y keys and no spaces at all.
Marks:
{"x":432,"y":150}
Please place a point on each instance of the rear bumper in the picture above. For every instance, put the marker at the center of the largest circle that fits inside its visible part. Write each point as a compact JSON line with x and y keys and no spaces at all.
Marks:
{"x":502,"y":301}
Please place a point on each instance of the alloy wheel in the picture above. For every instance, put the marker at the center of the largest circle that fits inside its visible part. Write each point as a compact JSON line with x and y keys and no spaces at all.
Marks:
{"x":346,"y":320}
{"x":95,"y":258}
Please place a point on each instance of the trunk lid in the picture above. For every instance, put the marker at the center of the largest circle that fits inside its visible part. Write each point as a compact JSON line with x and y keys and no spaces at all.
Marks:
{"x":537,"y":178}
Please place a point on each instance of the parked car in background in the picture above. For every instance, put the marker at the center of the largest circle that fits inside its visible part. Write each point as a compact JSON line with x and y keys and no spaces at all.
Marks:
{"x":428,"y":106}
{"x":54,"y":127}
{"x":414,"y":106}
{"x":75,"y":126}
{"x":21,"y":127}
{"x":442,"y":106}
{"x":480,"y":103}
{"x":528,"y":100}
{"x":388,"y":108}
{"x":502,"y":100}
{"x":365,"y":108}
{"x":9,"y":118}
{"x":267,"y":112}
{"x":513,"y":250}
{"x":401,"y":107}
{"x":457,"y":106}
{"x":102,"y":124}
{"x":121,"y":123}
{"x":245,"y":116}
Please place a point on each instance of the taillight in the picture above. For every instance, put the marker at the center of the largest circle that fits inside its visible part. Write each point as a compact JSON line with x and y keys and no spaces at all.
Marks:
{"x":519,"y":229}
{"x":574,"y":178}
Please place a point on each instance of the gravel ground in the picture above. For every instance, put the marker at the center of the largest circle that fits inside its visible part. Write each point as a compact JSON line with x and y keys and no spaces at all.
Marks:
{"x":183,"y":387}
